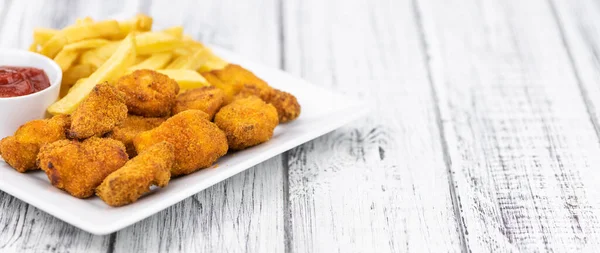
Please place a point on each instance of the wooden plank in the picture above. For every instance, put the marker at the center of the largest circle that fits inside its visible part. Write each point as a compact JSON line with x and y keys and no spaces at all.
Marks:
{"x":379,"y":184}
{"x":581,"y":36}
{"x":523,"y":150}
{"x":245,"y":212}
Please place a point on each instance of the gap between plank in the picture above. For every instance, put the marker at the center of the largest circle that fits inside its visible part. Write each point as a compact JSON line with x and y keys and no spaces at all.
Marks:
{"x":582,"y":90}
{"x":438,"y":118}
{"x":111,"y":242}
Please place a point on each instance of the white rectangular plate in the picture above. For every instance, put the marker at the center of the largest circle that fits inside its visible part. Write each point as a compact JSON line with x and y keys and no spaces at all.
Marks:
{"x":322,"y":112}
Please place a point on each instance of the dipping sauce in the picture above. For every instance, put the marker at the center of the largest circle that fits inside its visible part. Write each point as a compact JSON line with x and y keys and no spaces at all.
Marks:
{"x":20,"y":81}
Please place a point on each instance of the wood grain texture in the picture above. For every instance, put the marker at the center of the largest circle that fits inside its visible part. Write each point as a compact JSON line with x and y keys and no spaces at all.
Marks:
{"x":524,"y":152}
{"x":580,"y":31}
{"x":380,"y":183}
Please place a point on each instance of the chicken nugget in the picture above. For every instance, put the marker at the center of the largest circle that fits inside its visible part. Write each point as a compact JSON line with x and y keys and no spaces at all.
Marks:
{"x":238,"y":82}
{"x":198,"y":142}
{"x":247,"y":122}
{"x":132,"y":126}
{"x":99,"y":113}
{"x":207,"y":99}
{"x":287,"y":106}
{"x":130,"y":182}
{"x":234,"y":79}
{"x":20,"y":151}
{"x":148,"y":93}
{"x":78,"y":167}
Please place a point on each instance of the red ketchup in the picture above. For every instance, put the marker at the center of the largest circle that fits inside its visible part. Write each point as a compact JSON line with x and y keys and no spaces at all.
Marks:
{"x":20,"y":81}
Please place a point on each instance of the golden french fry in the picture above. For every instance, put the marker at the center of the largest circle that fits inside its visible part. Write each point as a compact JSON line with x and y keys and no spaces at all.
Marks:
{"x":140,"y":23}
{"x":77,"y":33}
{"x":111,"y":69}
{"x":43,"y":35}
{"x":33,"y":47}
{"x":192,"y":61}
{"x":98,"y":56}
{"x":77,"y":72}
{"x":189,"y":46}
{"x":139,"y":59}
{"x":187,"y":79}
{"x":65,"y":58}
{"x":84,"y":21}
{"x":156,"y":61}
{"x":175,"y":31}
{"x":86,"y":44}
{"x":155,"y":42}
{"x":212,"y":62}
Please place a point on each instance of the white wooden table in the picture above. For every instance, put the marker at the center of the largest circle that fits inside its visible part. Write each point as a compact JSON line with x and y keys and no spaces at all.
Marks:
{"x":484,"y":134}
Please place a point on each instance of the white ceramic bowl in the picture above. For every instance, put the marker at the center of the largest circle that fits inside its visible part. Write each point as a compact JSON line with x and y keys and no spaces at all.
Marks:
{"x":15,"y":111}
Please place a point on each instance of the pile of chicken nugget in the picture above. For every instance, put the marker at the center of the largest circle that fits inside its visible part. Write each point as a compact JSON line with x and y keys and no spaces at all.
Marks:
{"x":140,"y":131}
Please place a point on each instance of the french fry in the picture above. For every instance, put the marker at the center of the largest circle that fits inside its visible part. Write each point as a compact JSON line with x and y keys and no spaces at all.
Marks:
{"x":140,"y":22}
{"x":192,"y":61}
{"x":212,"y":62}
{"x":77,"y":72}
{"x":187,"y":79}
{"x":175,"y":31}
{"x":77,"y":84}
{"x":84,"y":21}
{"x":155,"y":42}
{"x":86,"y":44}
{"x":98,"y":56}
{"x":189,"y":46}
{"x":156,"y":61}
{"x":43,"y":35}
{"x":111,"y":69}
{"x":140,"y":59}
{"x":33,"y":47}
{"x":65,"y":58}
{"x":77,"y":33}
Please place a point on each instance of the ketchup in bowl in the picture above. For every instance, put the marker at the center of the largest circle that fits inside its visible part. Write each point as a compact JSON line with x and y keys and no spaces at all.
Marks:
{"x":20,"y":81}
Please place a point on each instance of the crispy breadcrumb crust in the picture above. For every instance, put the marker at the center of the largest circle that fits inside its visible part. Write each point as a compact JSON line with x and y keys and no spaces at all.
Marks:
{"x":130,"y":182}
{"x":99,"y":113}
{"x":20,"y":151}
{"x":78,"y":167}
{"x":131,"y":127}
{"x":247,"y":122}
{"x":148,"y":93}
{"x":207,"y":99}
{"x":287,"y":105}
{"x":234,"y":79}
{"x":237,"y":82}
{"x":198,"y":142}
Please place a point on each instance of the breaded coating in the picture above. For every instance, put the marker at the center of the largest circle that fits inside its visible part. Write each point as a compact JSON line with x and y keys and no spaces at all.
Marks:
{"x":234,"y":79}
{"x":247,"y":122}
{"x":130,"y":182}
{"x":207,"y":99}
{"x":99,"y":113}
{"x":287,"y":106}
{"x":238,"y":82}
{"x":78,"y":167}
{"x":132,"y":126}
{"x":198,"y":142}
{"x":20,"y":151}
{"x":148,"y":93}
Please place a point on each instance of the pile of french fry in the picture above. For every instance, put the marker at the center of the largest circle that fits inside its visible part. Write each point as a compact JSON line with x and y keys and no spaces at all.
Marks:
{"x":91,"y":52}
